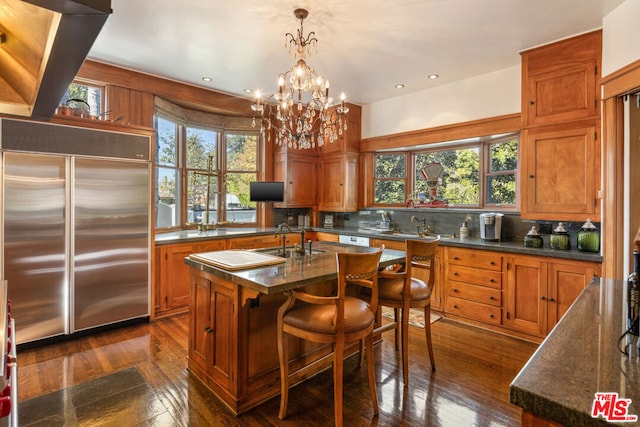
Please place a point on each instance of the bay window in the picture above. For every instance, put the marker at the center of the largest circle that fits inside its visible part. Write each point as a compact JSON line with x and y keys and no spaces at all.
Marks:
{"x":203,"y":169}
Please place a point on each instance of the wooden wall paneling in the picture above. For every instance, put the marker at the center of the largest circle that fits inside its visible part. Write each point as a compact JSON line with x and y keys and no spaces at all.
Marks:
{"x":482,"y":127}
{"x":624,"y":81}
{"x":184,"y":94}
{"x":133,"y":106}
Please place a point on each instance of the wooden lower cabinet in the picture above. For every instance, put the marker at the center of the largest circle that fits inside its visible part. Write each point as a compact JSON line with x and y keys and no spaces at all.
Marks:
{"x":266,"y":241}
{"x":525,"y":300}
{"x":474,"y":285}
{"x":539,"y":291}
{"x":172,"y":285}
{"x":519,"y":294}
{"x":320,"y":236}
{"x":233,"y":345}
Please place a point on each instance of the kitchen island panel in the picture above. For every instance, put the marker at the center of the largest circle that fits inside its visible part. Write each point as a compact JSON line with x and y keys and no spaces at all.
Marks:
{"x":233,"y":346}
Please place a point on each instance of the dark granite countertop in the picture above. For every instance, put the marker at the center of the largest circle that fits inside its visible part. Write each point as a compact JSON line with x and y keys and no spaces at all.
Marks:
{"x":184,"y":236}
{"x":516,"y":247}
{"x":579,"y":358}
{"x":297,"y":271}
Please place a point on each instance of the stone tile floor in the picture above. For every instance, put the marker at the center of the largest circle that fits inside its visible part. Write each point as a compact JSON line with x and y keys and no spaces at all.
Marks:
{"x":119,"y":399}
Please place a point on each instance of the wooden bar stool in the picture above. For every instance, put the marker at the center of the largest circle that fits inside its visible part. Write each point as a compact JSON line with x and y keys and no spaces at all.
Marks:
{"x":337,"y":320}
{"x":402,"y":290}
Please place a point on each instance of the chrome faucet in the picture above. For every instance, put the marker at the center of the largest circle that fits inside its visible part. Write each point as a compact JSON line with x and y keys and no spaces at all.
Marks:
{"x":420,"y":221}
{"x":283,"y":234}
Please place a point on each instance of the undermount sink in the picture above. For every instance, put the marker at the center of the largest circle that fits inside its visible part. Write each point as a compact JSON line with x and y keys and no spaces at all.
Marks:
{"x":389,"y":232}
{"x":290,"y":251}
{"x":428,"y":236}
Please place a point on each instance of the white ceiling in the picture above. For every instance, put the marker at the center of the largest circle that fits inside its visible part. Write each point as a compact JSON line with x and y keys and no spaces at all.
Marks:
{"x":365,"y":47}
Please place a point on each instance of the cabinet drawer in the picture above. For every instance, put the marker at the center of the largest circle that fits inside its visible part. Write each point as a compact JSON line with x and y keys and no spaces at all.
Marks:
{"x":475,"y":293}
{"x":474,"y":310}
{"x":479,"y":259}
{"x":476,"y":276}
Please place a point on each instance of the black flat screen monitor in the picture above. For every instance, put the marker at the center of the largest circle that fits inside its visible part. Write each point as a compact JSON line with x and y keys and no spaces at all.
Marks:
{"x":266,"y":191}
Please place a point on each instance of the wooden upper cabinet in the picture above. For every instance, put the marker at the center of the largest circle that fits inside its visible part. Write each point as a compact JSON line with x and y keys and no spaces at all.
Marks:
{"x":349,"y":140}
{"x":560,"y":81}
{"x":298,"y":172}
{"x":339,"y":183}
{"x":560,"y":172}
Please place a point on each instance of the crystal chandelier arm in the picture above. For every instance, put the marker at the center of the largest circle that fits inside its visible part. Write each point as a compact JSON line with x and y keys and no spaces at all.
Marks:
{"x":301,"y":115}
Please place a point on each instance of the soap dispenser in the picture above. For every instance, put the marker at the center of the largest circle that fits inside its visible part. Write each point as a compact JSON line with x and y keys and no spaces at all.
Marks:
{"x":464,"y":231}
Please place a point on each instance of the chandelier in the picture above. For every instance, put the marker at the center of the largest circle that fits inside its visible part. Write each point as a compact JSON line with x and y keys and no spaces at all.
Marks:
{"x":301,"y":114}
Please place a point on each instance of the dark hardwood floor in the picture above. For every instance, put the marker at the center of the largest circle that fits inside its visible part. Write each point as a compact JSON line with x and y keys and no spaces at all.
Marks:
{"x":469,"y":388}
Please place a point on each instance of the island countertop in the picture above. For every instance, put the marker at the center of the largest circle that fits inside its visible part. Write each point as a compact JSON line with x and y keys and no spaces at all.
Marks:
{"x":296,"y":271}
{"x":580,"y":358}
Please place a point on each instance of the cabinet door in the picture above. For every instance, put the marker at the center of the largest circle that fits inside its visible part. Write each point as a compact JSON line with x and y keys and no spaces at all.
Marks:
{"x":338,"y":184}
{"x":175,"y":289}
{"x":299,"y":176}
{"x":526,"y":299}
{"x":560,"y":81}
{"x":560,"y":173}
{"x":200,"y":322}
{"x":224,"y":336}
{"x":566,"y":281}
{"x":562,"y":95}
{"x":258,"y":242}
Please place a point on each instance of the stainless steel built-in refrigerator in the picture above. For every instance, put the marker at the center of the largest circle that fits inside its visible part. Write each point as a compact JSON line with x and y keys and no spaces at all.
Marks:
{"x":75,"y":227}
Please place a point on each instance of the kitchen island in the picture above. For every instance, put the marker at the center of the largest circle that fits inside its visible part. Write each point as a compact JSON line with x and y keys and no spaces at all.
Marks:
{"x":232,"y":327}
{"x":580,"y":358}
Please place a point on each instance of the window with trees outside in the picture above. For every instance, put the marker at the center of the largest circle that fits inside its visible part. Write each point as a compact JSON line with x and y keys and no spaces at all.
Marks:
{"x":91,"y":94}
{"x":478,"y":173}
{"x":203,"y":174}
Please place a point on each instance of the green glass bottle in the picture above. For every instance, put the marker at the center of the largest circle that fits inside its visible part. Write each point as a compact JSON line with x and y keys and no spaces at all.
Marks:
{"x":559,"y":238}
{"x":589,"y":238}
{"x":533,"y":239}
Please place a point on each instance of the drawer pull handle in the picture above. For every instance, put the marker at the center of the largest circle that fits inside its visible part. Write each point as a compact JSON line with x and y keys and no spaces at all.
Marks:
{"x":455,"y":257}
{"x":455,"y":306}
{"x":492,"y":262}
{"x":552,"y":300}
{"x":492,"y":298}
{"x":455,"y":273}
{"x":455,"y":290}
{"x":208,"y":330}
{"x":491,"y":316}
{"x":542,"y":298}
{"x":491,"y":280}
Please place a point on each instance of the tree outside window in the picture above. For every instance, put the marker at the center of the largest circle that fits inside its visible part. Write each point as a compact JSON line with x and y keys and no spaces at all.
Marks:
{"x":390,"y":178}
{"x":216,"y":167}
{"x":501,"y":176}
{"x":483,"y":169}
{"x":460,"y":178}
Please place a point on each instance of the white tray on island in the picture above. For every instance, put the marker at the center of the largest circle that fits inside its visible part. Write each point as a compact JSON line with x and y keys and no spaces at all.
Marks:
{"x":237,"y":259}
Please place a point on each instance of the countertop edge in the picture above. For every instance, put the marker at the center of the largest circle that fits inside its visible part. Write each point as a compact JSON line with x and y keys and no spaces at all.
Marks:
{"x":514,"y":247}
{"x":550,"y":409}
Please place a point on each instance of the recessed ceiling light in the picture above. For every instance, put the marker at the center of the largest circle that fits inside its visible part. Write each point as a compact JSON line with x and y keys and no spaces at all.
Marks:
{"x":248,"y":91}
{"x":207,"y":79}
{"x":433,"y":76}
{"x":399,"y":86}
